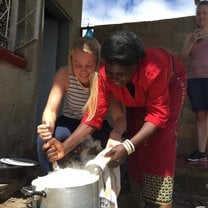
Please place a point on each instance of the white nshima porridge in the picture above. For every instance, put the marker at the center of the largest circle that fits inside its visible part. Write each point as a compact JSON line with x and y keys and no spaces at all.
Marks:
{"x":64,"y":178}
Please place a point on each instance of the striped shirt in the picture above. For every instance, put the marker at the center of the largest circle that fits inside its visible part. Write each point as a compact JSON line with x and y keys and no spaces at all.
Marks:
{"x":75,"y":98}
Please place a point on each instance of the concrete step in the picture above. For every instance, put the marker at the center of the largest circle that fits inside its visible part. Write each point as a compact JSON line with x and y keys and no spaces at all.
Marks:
{"x":191,"y":177}
{"x":191,"y":183}
{"x":189,"y":201}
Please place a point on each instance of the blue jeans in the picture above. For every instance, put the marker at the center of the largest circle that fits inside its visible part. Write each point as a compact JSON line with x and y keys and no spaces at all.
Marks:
{"x":63,"y":128}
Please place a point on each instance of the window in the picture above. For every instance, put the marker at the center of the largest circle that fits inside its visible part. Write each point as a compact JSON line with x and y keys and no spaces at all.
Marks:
{"x":4,"y":22}
{"x":19,"y":22}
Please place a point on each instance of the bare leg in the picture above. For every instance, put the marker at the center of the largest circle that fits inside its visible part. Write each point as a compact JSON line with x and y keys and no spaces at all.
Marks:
{"x":202,"y":129}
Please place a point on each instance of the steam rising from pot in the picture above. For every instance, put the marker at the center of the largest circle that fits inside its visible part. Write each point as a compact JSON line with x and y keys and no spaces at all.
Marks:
{"x":72,"y":172}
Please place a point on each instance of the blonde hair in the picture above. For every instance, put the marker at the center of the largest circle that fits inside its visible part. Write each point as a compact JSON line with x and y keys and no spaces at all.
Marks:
{"x":86,"y":44}
{"x":92,"y":46}
{"x":91,"y":104}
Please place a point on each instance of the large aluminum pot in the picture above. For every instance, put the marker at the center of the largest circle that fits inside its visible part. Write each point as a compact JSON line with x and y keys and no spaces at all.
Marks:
{"x":66,"y":188}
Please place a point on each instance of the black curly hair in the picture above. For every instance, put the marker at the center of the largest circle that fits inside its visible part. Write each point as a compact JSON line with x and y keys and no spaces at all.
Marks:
{"x":123,"y":48}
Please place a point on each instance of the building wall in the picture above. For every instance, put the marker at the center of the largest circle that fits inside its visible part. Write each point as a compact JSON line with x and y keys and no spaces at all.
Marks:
{"x":168,"y":34}
{"x":18,"y":91}
{"x":74,"y":9}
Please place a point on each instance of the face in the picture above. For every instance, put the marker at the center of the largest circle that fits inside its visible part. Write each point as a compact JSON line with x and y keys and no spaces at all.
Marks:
{"x":120,"y":75}
{"x":202,"y":16}
{"x":83,"y":65}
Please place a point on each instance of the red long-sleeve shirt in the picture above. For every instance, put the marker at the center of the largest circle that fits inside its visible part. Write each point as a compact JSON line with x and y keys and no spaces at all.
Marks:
{"x":151,"y":81}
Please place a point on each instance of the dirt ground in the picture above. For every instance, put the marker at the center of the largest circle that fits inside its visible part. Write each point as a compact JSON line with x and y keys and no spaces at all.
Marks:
{"x":13,"y":200}
{"x":10,"y":193}
{"x":18,"y":201}
{"x":14,"y":203}
{"x":179,"y":202}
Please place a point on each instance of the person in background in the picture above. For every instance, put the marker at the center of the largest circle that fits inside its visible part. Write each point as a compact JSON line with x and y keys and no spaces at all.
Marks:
{"x":194,"y":53}
{"x":72,"y":84}
{"x":151,"y":83}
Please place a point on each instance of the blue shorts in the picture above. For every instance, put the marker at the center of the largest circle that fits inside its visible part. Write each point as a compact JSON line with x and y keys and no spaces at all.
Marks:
{"x":198,"y":93}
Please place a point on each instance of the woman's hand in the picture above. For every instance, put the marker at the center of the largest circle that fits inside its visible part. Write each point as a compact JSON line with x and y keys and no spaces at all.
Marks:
{"x":117,"y":154}
{"x":197,"y":35}
{"x":45,"y":132}
{"x":54,"y":149}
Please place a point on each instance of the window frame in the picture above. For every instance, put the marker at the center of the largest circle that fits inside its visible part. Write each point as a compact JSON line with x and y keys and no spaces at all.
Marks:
{"x":14,"y":23}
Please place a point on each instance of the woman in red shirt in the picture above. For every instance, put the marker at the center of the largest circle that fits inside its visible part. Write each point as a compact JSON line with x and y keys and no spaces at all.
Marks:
{"x":151,"y":83}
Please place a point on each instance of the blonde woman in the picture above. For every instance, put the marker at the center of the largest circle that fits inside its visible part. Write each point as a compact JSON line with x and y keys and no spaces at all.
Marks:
{"x":72,"y":84}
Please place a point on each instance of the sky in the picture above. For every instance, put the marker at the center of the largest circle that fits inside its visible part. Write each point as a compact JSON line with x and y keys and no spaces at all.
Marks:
{"x":102,"y":12}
